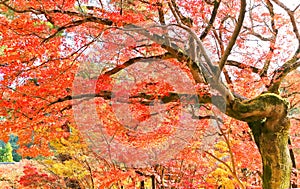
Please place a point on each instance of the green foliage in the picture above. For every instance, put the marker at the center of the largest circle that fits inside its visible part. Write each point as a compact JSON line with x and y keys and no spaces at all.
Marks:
{"x":2,"y":48}
{"x":13,"y":140}
{"x":6,"y":153}
{"x":10,"y":14}
{"x":10,"y":148}
{"x":2,"y":144}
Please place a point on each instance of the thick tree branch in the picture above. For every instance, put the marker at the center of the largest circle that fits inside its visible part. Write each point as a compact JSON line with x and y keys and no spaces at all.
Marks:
{"x":207,"y":117}
{"x":4,"y":65}
{"x":296,"y":7}
{"x":242,"y":66}
{"x":267,"y":106}
{"x":146,"y":99}
{"x":172,"y":48}
{"x":161,"y":15}
{"x":272,"y":41}
{"x":212,"y":19}
{"x":281,"y":73}
{"x":210,"y":2}
{"x":234,"y":36}
{"x":178,"y":15}
{"x":69,"y":25}
{"x":198,"y":69}
{"x":90,"y":17}
{"x":134,"y":60}
{"x":294,"y":93}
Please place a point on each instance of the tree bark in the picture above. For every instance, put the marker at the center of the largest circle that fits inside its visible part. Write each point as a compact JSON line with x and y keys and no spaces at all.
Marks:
{"x":266,"y":115}
{"x":275,"y":154}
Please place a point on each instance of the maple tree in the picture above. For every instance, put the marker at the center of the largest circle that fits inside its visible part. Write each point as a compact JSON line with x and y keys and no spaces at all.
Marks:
{"x":134,"y":61}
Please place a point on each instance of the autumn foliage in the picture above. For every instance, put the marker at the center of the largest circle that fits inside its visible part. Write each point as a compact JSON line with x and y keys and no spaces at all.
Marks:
{"x":120,"y":94}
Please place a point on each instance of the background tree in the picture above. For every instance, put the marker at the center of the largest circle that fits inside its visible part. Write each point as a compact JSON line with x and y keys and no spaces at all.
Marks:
{"x":13,"y":140}
{"x":254,"y":45}
{"x":6,"y":153}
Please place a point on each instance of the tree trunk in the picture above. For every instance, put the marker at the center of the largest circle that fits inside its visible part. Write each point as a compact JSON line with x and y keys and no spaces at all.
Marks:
{"x":142,"y":185}
{"x":153,"y":182}
{"x":266,"y":115}
{"x":275,"y":154}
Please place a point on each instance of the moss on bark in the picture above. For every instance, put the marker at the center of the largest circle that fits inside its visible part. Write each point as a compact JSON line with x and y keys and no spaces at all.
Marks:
{"x":266,"y":115}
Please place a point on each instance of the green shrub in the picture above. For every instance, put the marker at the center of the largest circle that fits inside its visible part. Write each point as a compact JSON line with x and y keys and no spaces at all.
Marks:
{"x":6,"y":153}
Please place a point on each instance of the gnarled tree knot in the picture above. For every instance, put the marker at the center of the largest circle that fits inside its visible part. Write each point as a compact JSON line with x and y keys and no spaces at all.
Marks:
{"x":268,"y":107}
